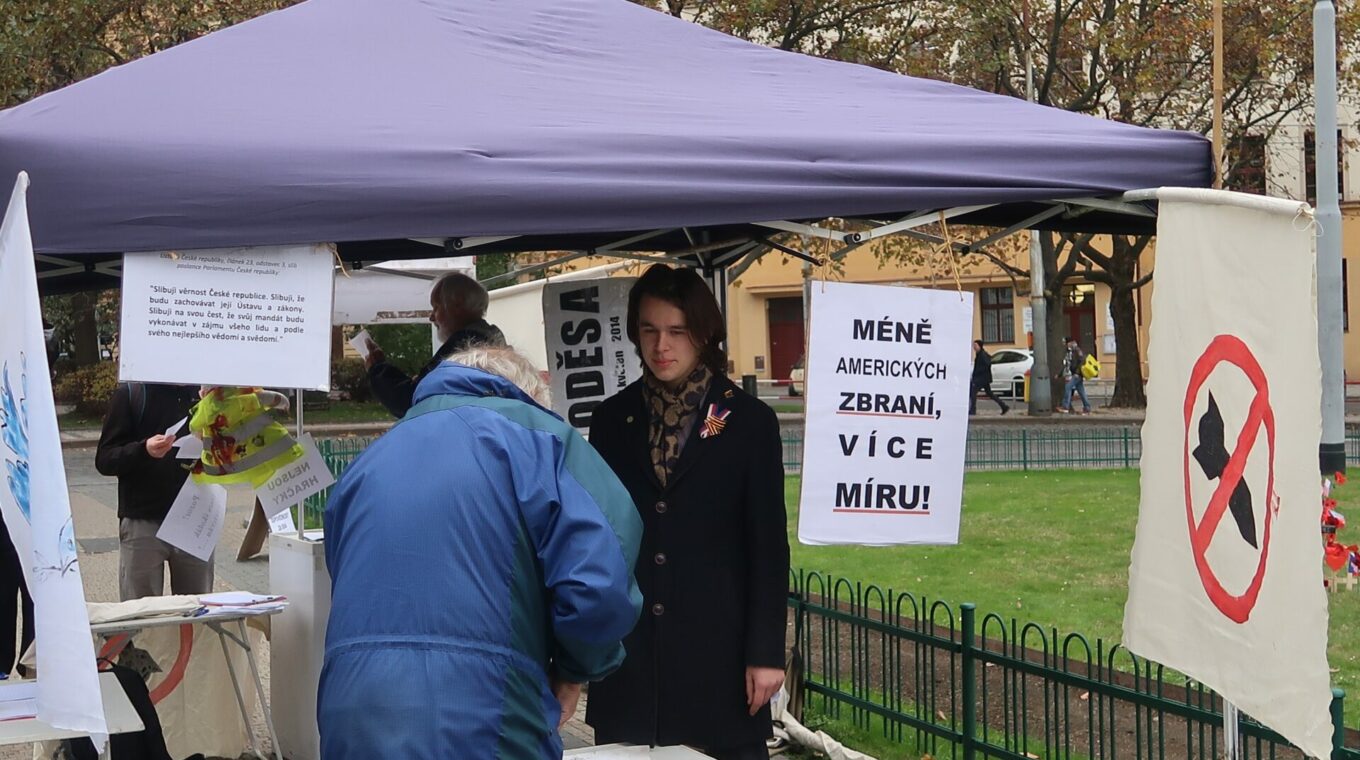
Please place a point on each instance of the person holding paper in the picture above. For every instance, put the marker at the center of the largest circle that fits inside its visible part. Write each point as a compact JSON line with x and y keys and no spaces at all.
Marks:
{"x":135,"y":447}
{"x":481,"y":559}
{"x":458,"y":309}
{"x":704,"y":464}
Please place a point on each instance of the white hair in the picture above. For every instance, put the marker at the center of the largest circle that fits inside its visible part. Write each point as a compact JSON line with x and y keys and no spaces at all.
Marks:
{"x":458,"y":292}
{"x":510,"y":364}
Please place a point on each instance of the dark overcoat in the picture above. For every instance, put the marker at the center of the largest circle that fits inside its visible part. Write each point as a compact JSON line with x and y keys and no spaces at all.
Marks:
{"x":713,"y":570}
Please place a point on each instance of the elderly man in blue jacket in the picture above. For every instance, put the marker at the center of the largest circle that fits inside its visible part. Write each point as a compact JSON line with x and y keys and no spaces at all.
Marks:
{"x":481,"y":556}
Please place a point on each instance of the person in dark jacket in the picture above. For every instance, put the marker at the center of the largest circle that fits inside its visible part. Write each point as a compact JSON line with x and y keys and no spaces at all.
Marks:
{"x":982,"y":379}
{"x":1076,"y":382}
{"x":135,"y":448}
{"x":14,"y":598}
{"x":458,"y":309}
{"x":704,"y":465}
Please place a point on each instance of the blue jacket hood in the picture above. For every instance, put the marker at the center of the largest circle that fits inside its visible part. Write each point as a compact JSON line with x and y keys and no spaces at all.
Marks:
{"x":461,"y":380}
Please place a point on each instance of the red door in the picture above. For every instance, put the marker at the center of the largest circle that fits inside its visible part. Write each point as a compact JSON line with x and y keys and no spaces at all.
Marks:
{"x":786,"y":335}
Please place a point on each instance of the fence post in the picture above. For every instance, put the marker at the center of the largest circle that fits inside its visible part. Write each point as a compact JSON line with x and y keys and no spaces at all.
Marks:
{"x":1024,"y":448}
{"x":969,"y":668}
{"x":1126,"y":448}
{"x":1338,"y":722}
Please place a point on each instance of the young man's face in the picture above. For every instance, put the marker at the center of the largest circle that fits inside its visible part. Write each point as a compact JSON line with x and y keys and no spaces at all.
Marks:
{"x":667,"y":348}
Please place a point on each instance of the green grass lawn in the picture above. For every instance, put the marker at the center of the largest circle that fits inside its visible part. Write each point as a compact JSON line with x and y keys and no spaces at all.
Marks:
{"x":1051,"y":548}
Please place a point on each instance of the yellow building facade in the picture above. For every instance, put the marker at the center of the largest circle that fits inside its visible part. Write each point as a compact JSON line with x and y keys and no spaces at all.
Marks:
{"x":765,"y":304}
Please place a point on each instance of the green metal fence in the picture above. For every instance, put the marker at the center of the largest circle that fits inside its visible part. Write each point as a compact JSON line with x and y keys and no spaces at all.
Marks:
{"x":944,"y":682}
{"x":947,"y":683}
{"x":337,"y":453}
{"x":1050,"y":447}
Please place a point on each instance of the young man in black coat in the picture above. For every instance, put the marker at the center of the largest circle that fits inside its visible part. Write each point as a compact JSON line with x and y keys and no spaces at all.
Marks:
{"x":982,"y":379}
{"x":135,"y":448}
{"x":704,"y":464}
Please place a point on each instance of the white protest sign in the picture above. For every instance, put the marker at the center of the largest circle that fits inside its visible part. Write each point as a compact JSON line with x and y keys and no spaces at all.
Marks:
{"x":1225,"y":583}
{"x":194,"y":522}
{"x":283,"y":522}
{"x":231,"y":316}
{"x":589,"y":354}
{"x":887,"y":415}
{"x":295,"y":482}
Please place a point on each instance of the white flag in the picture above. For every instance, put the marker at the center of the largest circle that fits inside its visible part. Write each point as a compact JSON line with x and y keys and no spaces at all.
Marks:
{"x":1226,"y":579}
{"x":33,"y":497}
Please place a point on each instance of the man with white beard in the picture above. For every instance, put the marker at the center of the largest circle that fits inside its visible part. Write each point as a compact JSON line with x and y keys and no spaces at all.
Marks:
{"x":458,"y":305}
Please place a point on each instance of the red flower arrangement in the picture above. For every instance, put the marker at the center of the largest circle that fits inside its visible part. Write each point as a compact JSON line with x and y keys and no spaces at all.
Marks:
{"x":1337,"y":555}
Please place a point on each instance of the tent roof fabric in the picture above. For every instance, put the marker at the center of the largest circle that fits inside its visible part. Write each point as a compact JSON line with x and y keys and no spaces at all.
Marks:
{"x":369,"y":120}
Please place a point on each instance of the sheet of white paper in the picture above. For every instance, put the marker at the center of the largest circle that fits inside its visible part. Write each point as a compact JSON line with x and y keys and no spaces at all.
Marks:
{"x":189,"y":447}
{"x":283,"y":522}
{"x":19,"y":708}
{"x":360,"y":343}
{"x":174,"y":429}
{"x":236,"y":598}
{"x":194,"y":522}
{"x":297,"y":481}
{"x":15,"y":690}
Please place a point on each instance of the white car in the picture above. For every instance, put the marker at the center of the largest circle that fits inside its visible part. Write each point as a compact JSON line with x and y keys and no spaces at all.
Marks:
{"x":796,"y":378}
{"x":1009,"y":366}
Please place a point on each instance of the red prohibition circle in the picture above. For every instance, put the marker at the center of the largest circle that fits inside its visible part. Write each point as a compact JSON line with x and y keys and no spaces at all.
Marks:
{"x":1230,"y":349}
{"x":115,"y":646}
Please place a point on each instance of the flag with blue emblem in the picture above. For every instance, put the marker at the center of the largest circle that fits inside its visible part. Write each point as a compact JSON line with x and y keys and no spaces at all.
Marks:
{"x":33,"y":497}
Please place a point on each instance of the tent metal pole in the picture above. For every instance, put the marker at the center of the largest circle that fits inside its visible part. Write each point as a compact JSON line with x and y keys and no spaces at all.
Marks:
{"x":1106,"y":204}
{"x":919,"y":220}
{"x":721,"y":261}
{"x":302,"y":506}
{"x":1331,"y":346}
{"x":1017,"y":227}
{"x":810,"y":230}
{"x":790,"y":251}
{"x":537,"y":267}
{"x":462,"y":244}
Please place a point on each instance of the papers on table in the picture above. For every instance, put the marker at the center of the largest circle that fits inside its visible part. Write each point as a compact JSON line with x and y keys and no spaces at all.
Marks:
{"x":234,"y":602}
{"x":194,"y":522}
{"x":18,"y":699}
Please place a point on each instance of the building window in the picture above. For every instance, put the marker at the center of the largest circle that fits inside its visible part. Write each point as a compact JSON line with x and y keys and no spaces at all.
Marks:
{"x":1310,"y":167}
{"x":1247,"y":173}
{"x":998,"y":315}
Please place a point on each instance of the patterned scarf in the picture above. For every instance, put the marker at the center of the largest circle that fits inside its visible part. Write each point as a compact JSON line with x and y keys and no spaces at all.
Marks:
{"x":672,"y":416}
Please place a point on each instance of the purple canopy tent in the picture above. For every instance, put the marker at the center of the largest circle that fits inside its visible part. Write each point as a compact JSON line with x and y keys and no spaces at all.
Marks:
{"x":537,"y":124}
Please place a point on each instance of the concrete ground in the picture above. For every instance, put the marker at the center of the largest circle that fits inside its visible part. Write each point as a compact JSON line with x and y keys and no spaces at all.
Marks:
{"x":94,"y":509}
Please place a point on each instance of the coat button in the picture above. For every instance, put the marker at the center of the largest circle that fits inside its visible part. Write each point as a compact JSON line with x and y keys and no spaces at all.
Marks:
{"x":661,"y":507}
{"x":660,"y":558}
{"x":658,"y":609}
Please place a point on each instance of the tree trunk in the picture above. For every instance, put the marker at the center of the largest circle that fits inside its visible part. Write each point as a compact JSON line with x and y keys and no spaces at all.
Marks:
{"x":85,"y":331}
{"x":1128,"y":367}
